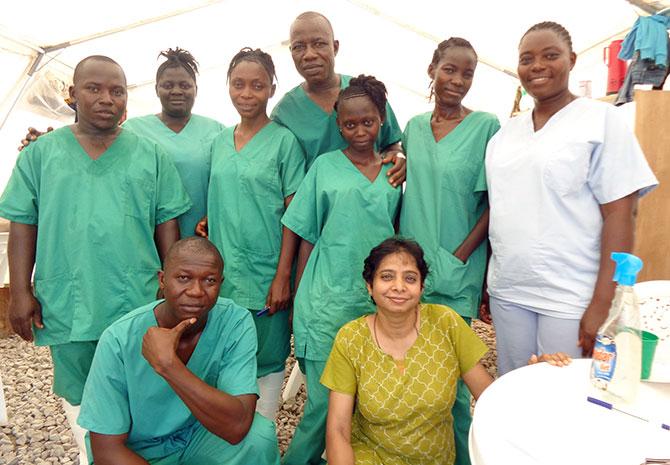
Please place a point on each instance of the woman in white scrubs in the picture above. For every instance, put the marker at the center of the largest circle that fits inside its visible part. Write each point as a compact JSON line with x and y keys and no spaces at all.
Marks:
{"x":563,"y":183}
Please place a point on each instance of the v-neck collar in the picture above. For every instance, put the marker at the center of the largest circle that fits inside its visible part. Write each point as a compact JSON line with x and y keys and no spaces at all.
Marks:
{"x":351,"y":163}
{"x":464,"y":122}
{"x":552,"y":121}
{"x":251,"y":141}
{"x":202,"y":340}
{"x":170,"y":131}
{"x":316,"y":105}
{"x":106,"y":156}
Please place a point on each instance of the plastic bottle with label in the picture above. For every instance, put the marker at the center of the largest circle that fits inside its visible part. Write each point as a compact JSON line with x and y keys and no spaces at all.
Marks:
{"x":617,"y":353}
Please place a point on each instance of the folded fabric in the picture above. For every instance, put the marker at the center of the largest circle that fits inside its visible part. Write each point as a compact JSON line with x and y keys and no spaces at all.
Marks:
{"x":649,"y":36}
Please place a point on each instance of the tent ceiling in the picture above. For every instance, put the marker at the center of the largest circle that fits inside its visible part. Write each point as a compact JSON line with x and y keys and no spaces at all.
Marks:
{"x":393,"y":40}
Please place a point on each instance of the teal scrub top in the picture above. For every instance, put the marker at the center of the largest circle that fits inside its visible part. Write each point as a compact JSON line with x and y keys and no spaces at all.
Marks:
{"x":317,"y":130}
{"x":247,"y":189}
{"x":190,"y":151}
{"x":124,"y":394}
{"x":445,"y":196}
{"x":344,"y":215}
{"x":96,"y":258}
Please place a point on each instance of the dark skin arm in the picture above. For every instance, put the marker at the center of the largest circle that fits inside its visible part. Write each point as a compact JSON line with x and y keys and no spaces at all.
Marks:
{"x":226,"y":416}
{"x":398,"y":173}
{"x":111,"y":449}
{"x":166,"y":234}
{"x":478,"y":234}
{"x":279,"y":294}
{"x":304,"y":251}
{"x":617,"y":236}
{"x":24,"y":309}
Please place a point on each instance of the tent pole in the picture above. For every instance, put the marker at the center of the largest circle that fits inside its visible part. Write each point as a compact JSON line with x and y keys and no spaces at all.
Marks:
{"x":30,"y":70}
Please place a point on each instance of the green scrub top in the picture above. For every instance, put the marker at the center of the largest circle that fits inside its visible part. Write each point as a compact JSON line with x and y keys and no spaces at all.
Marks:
{"x":124,"y":394}
{"x":444,"y":198}
{"x":247,"y":189}
{"x":344,"y":215}
{"x":96,"y":258}
{"x":190,"y":151}
{"x":317,"y":130}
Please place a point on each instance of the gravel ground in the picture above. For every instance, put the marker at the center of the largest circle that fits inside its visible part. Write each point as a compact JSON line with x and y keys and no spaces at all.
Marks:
{"x":38,"y":434}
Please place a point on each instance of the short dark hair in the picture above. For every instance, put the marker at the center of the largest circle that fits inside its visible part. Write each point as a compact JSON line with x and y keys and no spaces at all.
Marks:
{"x":77,"y":69}
{"x":551,"y":26}
{"x":390,"y":246}
{"x":256,"y":56}
{"x":367,"y":86}
{"x":177,"y":57}
{"x":194,"y":245}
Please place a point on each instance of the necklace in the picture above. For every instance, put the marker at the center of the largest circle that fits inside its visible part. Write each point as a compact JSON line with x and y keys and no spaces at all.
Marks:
{"x":415,"y":325}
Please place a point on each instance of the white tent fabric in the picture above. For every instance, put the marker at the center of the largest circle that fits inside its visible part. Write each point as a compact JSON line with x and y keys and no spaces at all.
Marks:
{"x":390,"y":39}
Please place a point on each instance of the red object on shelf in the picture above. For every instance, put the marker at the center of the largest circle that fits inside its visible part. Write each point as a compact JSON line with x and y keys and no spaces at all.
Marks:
{"x":616,"y":68}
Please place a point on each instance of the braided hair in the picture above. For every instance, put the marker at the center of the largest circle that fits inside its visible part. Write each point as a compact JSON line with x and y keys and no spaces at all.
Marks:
{"x":560,"y":31}
{"x":178,"y":57}
{"x":256,"y":56}
{"x":367,"y":86}
{"x":451,"y":42}
{"x":442,"y":47}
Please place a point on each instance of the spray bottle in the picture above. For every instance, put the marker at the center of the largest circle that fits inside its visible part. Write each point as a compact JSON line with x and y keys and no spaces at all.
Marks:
{"x":617,"y":354}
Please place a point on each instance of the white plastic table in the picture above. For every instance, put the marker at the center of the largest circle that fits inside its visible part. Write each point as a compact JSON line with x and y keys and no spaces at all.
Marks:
{"x":539,"y":415}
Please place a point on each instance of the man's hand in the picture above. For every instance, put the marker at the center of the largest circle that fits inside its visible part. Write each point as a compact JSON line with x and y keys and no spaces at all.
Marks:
{"x":279,"y":295}
{"x":593,"y":317}
{"x":202,"y":228}
{"x":159,"y":345}
{"x":398,"y":173}
{"x":24,"y":311}
{"x":32,"y":136}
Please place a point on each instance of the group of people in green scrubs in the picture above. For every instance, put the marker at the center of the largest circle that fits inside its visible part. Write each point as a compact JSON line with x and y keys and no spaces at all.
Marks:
{"x":293,"y":202}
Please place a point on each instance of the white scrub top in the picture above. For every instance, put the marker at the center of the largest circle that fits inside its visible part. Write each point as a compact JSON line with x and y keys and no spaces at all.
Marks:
{"x":545,"y":188}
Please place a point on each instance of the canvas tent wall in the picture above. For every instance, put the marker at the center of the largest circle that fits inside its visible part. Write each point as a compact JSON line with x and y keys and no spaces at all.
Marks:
{"x":40,"y":44}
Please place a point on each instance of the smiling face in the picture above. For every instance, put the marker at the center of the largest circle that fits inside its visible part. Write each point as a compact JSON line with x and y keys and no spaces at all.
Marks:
{"x":99,"y":91}
{"x":396,"y":285}
{"x":545,"y":62}
{"x":191,"y":284}
{"x":250,"y":87}
{"x":452,"y":75}
{"x":176,"y":90}
{"x":313,"y":49}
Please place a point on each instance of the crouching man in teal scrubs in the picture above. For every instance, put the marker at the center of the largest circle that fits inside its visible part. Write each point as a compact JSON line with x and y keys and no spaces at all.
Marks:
{"x":174,"y":382}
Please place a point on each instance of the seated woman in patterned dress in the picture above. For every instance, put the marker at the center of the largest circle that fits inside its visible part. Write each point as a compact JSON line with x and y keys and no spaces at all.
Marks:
{"x":392,"y":375}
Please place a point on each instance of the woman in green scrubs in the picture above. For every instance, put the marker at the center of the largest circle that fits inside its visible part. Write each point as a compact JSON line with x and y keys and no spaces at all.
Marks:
{"x":184,"y":136}
{"x":343,"y":208}
{"x":445,"y":207}
{"x":257,"y":166}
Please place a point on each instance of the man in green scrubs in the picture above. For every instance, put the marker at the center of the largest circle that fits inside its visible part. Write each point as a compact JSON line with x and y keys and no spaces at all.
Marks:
{"x":307,"y":110}
{"x":174,"y":382}
{"x":92,"y":208}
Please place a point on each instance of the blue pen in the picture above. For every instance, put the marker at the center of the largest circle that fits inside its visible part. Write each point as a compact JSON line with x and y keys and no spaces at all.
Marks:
{"x":264,"y":311}
{"x":664,"y":426}
{"x":609,"y":406}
